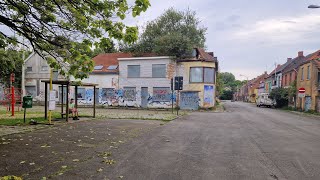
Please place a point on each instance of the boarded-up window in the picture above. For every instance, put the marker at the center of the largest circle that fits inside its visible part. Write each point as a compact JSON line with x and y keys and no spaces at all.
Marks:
{"x":31,"y":91}
{"x":29,"y":69}
{"x":133,"y":71}
{"x":81,"y":93}
{"x":129,"y":93}
{"x":208,"y":75}
{"x":196,"y":74}
{"x":158,"y":70}
{"x":107,"y":94}
{"x":161,"y":94}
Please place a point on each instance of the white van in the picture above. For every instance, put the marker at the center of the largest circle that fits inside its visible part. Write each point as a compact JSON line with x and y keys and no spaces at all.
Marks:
{"x":264,"y":100}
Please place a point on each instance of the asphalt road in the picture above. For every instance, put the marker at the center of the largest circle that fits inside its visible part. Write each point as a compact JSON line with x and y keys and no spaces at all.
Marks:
{"x":246,"y":142}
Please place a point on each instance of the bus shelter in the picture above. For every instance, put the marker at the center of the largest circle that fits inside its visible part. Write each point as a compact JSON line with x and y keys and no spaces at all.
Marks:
{"x":68,"y":84}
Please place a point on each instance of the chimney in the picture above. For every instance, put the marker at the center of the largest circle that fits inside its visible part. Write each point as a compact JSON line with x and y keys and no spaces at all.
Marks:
{"x":300,"y":54}
{"x":289,"y":59}
{"x":211,"y":54}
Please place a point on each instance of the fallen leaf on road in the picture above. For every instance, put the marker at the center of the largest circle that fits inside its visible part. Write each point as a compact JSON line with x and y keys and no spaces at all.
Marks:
{"x":22,"y":162}
{"x":45,"y":146}
{"x":100,"y":170}
{"x":64,"y":167}
{"x":31,"y":164}
{"x":120,"y":177}
{"x":109,"y":161}
{"x":27,"y":144}
{"x":5,"y":142}
{"x":76,"y":160}
{"x":167,"y":140}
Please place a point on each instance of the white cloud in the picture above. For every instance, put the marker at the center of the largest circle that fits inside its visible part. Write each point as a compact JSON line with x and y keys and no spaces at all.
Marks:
{"x":281,"y":30}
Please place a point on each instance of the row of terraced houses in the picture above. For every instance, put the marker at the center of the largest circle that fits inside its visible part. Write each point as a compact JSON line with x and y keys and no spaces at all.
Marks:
{"x":304,"y":70}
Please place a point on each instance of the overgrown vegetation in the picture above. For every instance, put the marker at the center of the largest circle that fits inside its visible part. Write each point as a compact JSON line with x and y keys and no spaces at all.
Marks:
{"x":283,"y":95}
{"x":11,"y":60}
{"x":174,"y":33}
{"x":227,"y":85}
{"x":68,"y":29}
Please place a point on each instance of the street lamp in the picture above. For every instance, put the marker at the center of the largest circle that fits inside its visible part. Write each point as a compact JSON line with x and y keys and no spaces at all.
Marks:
{"x":313,"y":6}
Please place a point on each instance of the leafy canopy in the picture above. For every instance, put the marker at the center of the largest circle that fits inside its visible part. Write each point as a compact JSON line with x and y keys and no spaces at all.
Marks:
{"x":174,"y":33}
{"x":12,"y":61}
{"x":68,"y":29}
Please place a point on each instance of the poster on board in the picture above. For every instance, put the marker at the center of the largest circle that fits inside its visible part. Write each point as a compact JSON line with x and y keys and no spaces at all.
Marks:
{"x":208,"y":96}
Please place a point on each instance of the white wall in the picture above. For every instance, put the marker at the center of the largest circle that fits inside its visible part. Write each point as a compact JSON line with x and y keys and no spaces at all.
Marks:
{"x":145,"y":79}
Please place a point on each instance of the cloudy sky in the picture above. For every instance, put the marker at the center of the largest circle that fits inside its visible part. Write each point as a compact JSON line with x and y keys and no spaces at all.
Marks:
{"x":248,"y":36}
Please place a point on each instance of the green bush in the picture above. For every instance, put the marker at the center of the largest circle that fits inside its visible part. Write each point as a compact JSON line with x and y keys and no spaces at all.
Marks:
{"x":281,"y":97}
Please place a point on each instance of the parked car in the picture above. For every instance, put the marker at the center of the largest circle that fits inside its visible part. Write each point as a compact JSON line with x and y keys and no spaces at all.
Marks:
{"x":264,"y":100}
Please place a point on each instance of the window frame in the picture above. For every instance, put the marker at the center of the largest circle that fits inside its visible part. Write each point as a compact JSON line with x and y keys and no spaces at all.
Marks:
{"x":165,"y":71}
{"x":203,"y":74}
{"x":29,"y":67}
{"x":302,"y":74}
{"x":133,"y":66}
{"x":308,"y":73}
{"x":168,"y":94}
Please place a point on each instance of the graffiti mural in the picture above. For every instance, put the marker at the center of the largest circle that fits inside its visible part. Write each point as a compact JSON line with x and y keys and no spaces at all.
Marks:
{"x":161,"y":94}
{"x":208,"y":96}
{"x":129,"y":94}
{"x":189,"y":100}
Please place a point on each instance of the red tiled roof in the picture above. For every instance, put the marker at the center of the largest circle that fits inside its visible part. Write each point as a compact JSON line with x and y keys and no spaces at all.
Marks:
{"x":204,"y":55}
{"x":314,"y":56}
{"x":107,"y":60}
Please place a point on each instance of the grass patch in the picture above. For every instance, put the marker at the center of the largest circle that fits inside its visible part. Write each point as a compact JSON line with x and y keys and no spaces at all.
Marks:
{"x":7,"y":120}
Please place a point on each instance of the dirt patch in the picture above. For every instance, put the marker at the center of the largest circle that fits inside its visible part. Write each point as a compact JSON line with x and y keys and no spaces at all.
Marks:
{"x":58,"y":150}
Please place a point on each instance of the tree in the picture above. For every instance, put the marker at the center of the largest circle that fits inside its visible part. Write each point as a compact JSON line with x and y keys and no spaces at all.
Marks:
{"x":68,"y":29}
{"x":174,"y":33}
{"x":12,"y":61}
{"x":281,"y":96}
{"x":227,"y":78}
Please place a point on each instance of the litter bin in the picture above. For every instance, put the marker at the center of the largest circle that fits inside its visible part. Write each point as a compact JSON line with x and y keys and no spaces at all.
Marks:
{"x":27,"y":102}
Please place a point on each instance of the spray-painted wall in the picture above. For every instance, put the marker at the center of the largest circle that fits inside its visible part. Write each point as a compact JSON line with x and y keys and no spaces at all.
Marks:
{"x":207,"y":91}
{"x":189,"y":100}
{"x":158,"y":89}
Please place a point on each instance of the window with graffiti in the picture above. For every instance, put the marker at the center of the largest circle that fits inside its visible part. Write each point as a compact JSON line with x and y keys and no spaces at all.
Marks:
{"x":81,"y":93}
{"x":107,"y":94}
{"x":161,"y":94}
{"x":129,"y":93}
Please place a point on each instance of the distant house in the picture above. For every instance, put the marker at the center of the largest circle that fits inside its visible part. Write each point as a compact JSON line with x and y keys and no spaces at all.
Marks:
{"x":290,"y":73}
{"x":254,"y":86}
{"x":309,"y":78}
{"x":37,"y":69}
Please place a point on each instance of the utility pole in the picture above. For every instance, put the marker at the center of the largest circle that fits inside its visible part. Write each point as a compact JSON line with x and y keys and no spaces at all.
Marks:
{"x":23,"y":73}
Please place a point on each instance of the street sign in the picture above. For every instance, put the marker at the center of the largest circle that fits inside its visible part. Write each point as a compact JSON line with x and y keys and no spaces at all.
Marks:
{"x":301,"y":95}
{"x":302,"y":90}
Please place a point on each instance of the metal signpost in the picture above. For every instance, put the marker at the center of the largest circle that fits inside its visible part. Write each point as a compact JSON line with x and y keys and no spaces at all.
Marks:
{"x":178,"y":85}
